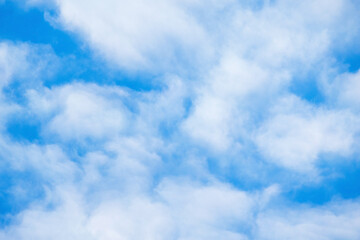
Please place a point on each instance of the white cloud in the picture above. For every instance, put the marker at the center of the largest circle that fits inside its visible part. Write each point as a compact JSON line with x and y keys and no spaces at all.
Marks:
{"x":48,"y":161}
{"x":164,"y":33}
{"x":179,"y":210}
{"x":26,"y":64}
{"x":344,"y":90}
{"x":81,"y":111}
{"x":220,"y":111}
{"x":297,"y":134}
{"x":161,"y":110}
{"x":139,"y":34}
{"x":339,"y":220}
{"x":67,"y":222}
{"x":261,"y":53}
{"x":25,"y":61}
{"x":125,"y":125}
{"x":197,"y":207}
{"x":182,"y":210}
{"x":132,"y":162}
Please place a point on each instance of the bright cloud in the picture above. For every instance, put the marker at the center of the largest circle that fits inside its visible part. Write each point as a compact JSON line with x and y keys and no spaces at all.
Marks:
{"x":297,"y":134}
{"x":80,"y":111}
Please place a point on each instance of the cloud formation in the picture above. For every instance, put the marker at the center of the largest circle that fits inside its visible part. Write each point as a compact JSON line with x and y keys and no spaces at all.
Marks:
{"x":249,"y":103}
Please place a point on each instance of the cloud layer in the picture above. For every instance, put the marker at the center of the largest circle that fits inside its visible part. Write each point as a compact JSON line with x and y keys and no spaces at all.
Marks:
{"x":250,"y":102}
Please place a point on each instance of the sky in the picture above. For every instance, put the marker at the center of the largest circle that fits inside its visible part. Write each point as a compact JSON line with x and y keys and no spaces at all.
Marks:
{"x":179,"y":120}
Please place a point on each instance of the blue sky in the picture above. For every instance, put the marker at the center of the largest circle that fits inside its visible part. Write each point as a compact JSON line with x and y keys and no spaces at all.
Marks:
{"x":180,"y":120}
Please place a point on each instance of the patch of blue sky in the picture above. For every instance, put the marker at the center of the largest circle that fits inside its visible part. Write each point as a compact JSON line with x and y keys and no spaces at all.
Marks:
{"x":18,"y":190}
{"x":350,"y":59}
{"x":338,"y":181}
{"x":307,"y":87}
{"x":347,"y":54}
{"x":26,"y":130}
{"x":29,"y":25}
{"x":338,"y":177}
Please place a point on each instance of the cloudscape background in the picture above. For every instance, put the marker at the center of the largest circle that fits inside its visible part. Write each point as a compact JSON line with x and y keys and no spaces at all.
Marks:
{"x":179,"y":119}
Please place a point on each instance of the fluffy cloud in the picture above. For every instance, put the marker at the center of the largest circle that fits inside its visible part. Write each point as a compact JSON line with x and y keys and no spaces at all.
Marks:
{"x":143,"y":35}
{"x":183,"y":210}
{"x":26,"y":62}
{"x":48,"y":161}
{"x":138,"y":34}
{"x":220,"y":110}
{"x":344,"y":90}
{"x":80,"y":111}
{"x":264,"y":52}
{"x":339,"y":220}
{"x":298,"y":134}
{"x":171,"y":213}
{"x":22,"y":66}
